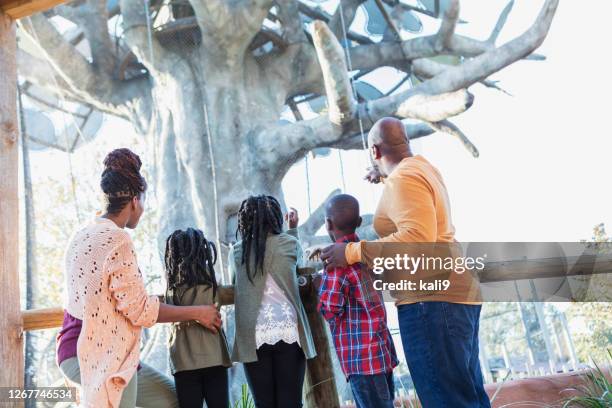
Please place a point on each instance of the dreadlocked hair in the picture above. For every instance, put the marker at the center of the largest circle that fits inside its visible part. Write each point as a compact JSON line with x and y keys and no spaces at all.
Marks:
{"x":190,"y":260}
{"x":258,"y":216}
{"x":121,"y":179}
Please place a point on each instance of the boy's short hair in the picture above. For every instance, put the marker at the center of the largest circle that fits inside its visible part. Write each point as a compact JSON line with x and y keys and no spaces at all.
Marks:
{"x":343,"y":211}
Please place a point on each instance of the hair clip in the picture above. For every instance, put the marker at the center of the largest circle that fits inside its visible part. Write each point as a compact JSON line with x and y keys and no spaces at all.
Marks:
{"x":121,"y":194}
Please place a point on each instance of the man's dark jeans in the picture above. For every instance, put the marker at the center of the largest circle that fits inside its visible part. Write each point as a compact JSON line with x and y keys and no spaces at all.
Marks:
{"x":441,"y":346}
{"x":373,"y":391}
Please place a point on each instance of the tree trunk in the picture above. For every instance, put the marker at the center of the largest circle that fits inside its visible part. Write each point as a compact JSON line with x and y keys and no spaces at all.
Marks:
{"x":233,"y":104}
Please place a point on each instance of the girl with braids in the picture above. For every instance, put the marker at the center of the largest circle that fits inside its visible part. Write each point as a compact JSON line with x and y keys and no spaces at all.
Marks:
{"x":273,"y":337}
{"x":107,"y":305}
{"x":198,"y":358}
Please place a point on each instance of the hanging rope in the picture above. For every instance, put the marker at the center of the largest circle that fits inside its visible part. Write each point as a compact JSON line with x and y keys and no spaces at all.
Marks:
{"x":308,"y":184}
{"x":213,"y":170}
{"x":349,"y":64}
{"x":342,"y":171}
{"x":154,"y":146}
{"x":149,"y":29}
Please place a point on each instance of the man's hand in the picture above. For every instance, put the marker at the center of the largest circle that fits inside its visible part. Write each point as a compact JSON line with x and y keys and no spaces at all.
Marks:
{"x":292,"y":218}
{"x":333,"y":256}
{"x":373,"y":175}
{"x":209,"y":317}
{"x":314,"y":253}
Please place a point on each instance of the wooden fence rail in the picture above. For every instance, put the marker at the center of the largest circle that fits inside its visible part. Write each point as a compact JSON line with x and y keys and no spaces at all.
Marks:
{"x":47,"y":318}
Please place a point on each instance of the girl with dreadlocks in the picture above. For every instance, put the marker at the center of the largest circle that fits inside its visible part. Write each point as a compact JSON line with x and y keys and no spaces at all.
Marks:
{"x":198,"y":357}
{"x":273,"y":337}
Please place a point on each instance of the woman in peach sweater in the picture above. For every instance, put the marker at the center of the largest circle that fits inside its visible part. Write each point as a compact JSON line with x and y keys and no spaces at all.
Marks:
{"x":107,"y":305}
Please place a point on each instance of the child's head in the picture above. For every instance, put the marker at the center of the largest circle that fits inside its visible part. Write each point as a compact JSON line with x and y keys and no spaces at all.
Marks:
{"x":190,"y":259}
{"x":342,"y":216}
{"x":258,"y":216}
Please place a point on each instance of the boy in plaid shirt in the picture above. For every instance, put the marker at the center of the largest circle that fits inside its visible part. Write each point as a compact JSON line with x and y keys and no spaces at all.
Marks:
{"x":356,"y":315}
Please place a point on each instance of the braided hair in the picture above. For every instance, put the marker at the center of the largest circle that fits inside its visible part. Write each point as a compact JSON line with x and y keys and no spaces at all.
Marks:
{"x":190,"y":260}
{"x":258,"y":216}
{"x":121,"y":179}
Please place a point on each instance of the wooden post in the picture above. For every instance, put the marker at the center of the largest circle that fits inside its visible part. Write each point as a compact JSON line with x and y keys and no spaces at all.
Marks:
{"x":320,"y":381}
{"x":11,"y":346}
{"x":22,"y":8}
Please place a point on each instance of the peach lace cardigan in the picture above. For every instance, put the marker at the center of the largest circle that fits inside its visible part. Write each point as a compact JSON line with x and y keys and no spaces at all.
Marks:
{"x":106,"y":291}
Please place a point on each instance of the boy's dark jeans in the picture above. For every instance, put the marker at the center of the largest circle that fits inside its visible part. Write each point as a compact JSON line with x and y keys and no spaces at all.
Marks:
{"x":441,"y":346}
{"x":373,"y":391}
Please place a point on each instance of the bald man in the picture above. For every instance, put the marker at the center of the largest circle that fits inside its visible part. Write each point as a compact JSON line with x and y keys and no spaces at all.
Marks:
{"x":440,"y":339}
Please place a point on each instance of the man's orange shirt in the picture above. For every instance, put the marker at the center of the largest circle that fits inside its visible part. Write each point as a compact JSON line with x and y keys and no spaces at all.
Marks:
{"x":414,"y":208}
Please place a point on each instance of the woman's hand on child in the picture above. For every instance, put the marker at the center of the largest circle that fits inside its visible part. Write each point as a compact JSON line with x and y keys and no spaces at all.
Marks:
{"x":292,"y":218}
{"x":209,"y":317}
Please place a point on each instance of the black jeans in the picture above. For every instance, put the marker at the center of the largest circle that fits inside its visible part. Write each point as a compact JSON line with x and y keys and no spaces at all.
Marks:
{"x":195,"y":386}
{"x":277,"y":377}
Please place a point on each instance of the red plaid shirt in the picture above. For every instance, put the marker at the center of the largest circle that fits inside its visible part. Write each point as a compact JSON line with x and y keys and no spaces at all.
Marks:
{"x":357,"y":319}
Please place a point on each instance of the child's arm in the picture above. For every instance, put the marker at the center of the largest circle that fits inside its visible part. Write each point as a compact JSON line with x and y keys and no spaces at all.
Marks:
{"x":333,"y":294}
{"x":292,"y":219}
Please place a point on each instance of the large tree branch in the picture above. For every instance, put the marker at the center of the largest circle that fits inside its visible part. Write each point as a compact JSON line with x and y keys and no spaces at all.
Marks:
{"x":428,"y":68}
{"x":298,"y":64}
{"x":355,"y":141}
{"x":92,"y":17}
{"x":67,"y":73}
{"x":343,"y":17}
{"x":138,"y":37}
{"x":367,"y":57}
{"x":127,"y":102}
{"x":340,"y":100}
{"x":479,"y":68}
{"x":371,"y":56}
{"x":341,"y":103}
{"x":289,"y":16}
{"x":317,"y":218}
{"x":62,"y":56}
{"x":434,"y":100}
{"x":228,"y":27}
{"x":447,"y":27}
{"x":445,"y":126}
{"x":318,"y":14}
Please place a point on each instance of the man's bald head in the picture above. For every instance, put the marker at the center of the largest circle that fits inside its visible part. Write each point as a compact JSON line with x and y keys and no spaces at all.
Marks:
{"x":389,"y":132}
{"x":389,"y":144}
{"x":343,"y":212}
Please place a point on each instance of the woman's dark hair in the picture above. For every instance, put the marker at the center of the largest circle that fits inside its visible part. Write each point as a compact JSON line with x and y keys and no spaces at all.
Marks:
{"x":121,"y":179}
{"x":190,"y":260}
{"x":258,"y":216}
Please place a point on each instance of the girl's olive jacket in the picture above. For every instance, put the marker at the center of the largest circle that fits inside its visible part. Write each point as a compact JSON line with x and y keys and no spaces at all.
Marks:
{"x":191,"y":345}
{"x":281,"y":259}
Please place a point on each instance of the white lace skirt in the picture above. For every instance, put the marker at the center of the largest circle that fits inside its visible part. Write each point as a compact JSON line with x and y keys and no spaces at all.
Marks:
{"x":277,"y":319}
